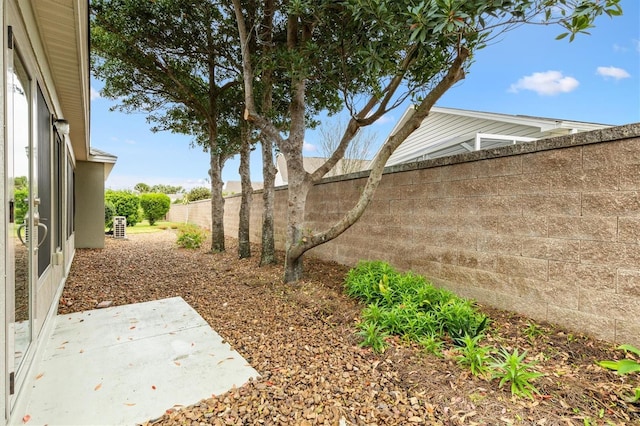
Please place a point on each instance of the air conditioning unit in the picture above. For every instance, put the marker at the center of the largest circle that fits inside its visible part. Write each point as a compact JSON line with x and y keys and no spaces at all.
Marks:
{"x":119,"y":227}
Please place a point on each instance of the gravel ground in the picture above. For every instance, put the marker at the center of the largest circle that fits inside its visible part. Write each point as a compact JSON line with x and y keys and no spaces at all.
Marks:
{"x":302,"y":341}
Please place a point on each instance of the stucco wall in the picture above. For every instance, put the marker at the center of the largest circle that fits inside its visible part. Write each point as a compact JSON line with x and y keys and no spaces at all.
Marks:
{"x":89,"y":214}
{"x":549,"y":229}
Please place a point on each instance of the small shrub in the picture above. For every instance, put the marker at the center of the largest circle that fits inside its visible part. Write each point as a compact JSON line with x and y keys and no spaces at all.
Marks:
{"x":109,"y":213}
{"x":126,"y":203}
{"x":155,"y":206}
{"x":474,"y":356}
{"x":21,"y":200}
{"x":511,"y":368}
{"x":190,"y":236}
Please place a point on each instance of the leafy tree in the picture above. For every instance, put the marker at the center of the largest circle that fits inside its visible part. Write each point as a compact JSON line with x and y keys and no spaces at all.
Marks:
{"x":20,"y":182}
{"x":155,"y":206}
{"x":109,"y":213}
{"x":375,"y":55}
{"x":176,"y":60}
{"x":142,"y":188}
{"x":198,"y":193}
{"x":166,"y":189}
{"x":21,"y":200}
{"x":126,"y":204}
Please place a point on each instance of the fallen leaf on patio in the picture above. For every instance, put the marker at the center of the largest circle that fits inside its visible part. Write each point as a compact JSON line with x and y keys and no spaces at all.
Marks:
{"x":129,"y":404}
{"x":26,"y":418}
{"x":176,"y":363}
{"x":153,"y":387}
{"x":132,"y":327}
{"x":39,"y":376}
{"x":97,"y":387}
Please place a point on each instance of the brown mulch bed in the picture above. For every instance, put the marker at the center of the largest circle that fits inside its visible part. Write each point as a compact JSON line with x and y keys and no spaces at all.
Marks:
{"x":302,"y":340}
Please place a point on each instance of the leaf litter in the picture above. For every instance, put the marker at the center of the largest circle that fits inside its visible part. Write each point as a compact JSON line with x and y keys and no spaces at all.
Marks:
{"x":302,"y":340}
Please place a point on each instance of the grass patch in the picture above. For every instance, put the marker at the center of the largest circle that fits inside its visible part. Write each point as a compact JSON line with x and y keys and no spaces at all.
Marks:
{"x":144,"y":227}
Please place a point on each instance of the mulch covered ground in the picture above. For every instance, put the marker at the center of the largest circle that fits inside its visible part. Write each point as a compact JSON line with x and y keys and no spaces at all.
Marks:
{"x":302,"y":340}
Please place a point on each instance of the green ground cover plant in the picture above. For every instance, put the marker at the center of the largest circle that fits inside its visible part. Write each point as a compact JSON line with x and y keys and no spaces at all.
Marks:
{"x":144,"y":227}
{"x":510,"y":367}
{"x":626,"y":366}
{"x":409,"y":306}
{"x":190,"y":236}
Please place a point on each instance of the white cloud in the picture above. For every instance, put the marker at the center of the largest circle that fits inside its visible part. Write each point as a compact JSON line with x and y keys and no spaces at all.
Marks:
{"x":385,"y":119}
{"x":130,"y":142}
{"x":618,"y":48}
{"x":95,"y":94}
{"x":545,"y":83}
{"x":612,"y":72}
{"x":309,"y":147}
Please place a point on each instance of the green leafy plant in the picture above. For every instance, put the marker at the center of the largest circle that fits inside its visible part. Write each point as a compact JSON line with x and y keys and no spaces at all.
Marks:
{"x":532,"y":331}
{"x":21,"y":200}
{"x":459,"y":318}
{"x":408,"y":305}
{"x":126,"y":203}
{"x":432,"y":343}
{"x":109,"y":212}
{"x":369,"y":281}
{"x":474,"y":356}
{"x":625,"y":366}
{"x":155,"y":206}
{"x":374,"y":336}
{"x":198,"y":193}
{"x":510,"y":367}
{"x":190,"y":236}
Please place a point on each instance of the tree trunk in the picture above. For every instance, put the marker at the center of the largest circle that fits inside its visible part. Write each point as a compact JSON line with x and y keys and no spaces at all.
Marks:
{"x":268,"y":255}
{"x":244,"y":243}
{"x":217,"y":203}
{"x":299,"y":185}
{"x":307,"y":242}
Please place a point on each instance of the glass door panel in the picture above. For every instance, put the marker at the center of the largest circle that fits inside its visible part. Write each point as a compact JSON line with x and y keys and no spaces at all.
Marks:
{"x":23,"y":239}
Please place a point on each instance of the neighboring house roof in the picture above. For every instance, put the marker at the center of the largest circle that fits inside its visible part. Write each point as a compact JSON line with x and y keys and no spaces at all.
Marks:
{"x":311,"y":164}
{"x":99,"y":156}
{"x":450,"y":131}
{"x":235,"y":186}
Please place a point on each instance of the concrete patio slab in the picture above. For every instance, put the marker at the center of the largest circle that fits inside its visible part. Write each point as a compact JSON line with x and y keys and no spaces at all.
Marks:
{"x":128,"y":364}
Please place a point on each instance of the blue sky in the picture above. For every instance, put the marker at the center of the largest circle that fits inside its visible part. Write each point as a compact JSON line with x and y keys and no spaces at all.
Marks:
{"x":595,"y":79}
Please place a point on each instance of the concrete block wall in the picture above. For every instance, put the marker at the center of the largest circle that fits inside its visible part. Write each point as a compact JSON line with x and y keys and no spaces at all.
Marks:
{"x":548,"y":229}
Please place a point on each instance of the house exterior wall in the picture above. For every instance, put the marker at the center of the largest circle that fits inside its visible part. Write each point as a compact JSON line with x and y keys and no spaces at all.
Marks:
{"x":549,"y":229}
{"x":89,"y":204}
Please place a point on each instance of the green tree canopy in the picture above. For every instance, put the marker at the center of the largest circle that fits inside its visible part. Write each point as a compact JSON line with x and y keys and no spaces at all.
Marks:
{"x":155,"y":206}
{"x":374,"y":54}
{"x":125,"y":203}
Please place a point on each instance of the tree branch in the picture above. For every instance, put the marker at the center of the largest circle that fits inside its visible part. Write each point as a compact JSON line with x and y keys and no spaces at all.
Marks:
{"x":453,"y":75}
